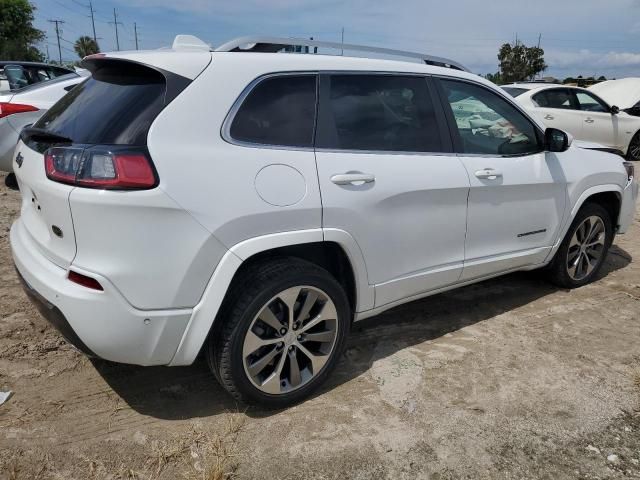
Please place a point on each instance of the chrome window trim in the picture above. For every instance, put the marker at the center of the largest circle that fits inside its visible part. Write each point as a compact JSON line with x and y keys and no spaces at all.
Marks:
{"x":225,"y":131}
{"x":386,"y":152}
{"x":228,"y":120}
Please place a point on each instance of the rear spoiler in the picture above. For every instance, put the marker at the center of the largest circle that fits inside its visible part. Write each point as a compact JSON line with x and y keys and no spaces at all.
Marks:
{"x":100,"y":64}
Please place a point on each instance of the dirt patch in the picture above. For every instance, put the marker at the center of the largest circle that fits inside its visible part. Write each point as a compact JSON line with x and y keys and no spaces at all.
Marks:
{"x":511,"y":378}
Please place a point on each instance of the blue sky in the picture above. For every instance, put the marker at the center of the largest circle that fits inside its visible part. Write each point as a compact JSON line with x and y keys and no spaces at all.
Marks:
{"x":588,"y":37}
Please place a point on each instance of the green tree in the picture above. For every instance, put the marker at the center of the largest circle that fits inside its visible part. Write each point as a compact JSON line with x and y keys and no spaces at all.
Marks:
{"x":17,"y":33}
{"x":519,"y":62}
{"x":494,"y":77}
{"x":86,"y":46}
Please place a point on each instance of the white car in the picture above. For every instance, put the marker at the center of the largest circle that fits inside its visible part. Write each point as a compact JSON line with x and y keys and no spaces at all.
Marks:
{"x":251,"y":205}
{"x":24,"y":106}
{"x":582,"y":113}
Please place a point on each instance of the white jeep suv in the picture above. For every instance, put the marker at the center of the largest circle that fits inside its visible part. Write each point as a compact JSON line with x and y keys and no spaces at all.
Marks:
{"x":251,"y":205}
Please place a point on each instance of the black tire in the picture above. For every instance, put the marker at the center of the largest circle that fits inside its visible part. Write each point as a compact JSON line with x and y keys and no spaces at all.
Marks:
{"x":558,"y":271}
{"x":11,"y":182}
{"x":248,"y":295}
{"x":633,"y":152}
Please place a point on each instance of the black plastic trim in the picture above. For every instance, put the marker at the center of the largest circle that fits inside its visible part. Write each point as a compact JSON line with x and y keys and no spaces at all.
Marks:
{"x":55,"y":317}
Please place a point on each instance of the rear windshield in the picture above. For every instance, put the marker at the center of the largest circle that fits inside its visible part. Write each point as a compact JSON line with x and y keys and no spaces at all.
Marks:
{"x":513,"y":91}
{"x":116,"y":106}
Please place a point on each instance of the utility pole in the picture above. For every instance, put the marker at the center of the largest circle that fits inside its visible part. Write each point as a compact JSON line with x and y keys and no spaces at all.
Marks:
{"x":342,"y":42}
{"x":115,"y":24}
{"x":93,"y":23}
{"x":135,"y":31}
{"x":539,"y":39}
{"x":57,"y":22}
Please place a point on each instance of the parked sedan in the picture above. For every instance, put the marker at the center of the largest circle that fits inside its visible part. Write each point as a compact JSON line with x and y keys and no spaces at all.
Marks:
{"x":582,"y":113}
{"x":22,"y":107}
{"x":15,"y":75}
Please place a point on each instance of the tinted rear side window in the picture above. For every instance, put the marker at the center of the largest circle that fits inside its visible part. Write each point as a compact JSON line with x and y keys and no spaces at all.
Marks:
{"x":116,"y":106}
{"x":379,"y":113}
{"x":278,"y":111}
{"x":556,"y":98}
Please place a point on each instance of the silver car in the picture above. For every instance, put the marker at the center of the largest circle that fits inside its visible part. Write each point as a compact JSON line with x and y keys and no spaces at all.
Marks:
{"x":22,"y":107}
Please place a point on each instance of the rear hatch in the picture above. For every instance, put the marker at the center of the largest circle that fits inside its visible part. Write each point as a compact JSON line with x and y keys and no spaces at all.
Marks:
{"x":94,"y":137}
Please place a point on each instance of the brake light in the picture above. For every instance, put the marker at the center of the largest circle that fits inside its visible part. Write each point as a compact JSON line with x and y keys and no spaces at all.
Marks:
{"x":84,"y":280}
{"x":98,"y":167}
{"x":7,"y":109}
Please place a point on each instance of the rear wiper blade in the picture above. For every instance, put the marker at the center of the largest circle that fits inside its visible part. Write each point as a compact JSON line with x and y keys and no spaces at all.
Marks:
{"x":40,"y":134}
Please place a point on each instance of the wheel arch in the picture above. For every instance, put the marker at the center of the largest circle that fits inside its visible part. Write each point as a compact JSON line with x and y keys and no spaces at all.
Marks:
{"x":607,"y":195}
{"x":335,"y":250}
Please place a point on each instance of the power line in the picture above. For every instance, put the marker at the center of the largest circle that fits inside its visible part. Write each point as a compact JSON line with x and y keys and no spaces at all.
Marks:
{"x":65,"y":6}
{"x":93,"y":23}
{"x":58,"y":35}
{"x":115,"y":24}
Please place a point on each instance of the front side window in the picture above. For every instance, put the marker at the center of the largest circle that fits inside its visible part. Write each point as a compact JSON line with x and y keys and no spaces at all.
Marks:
{"x":279,"y":111}
{"x":379,"y":113}
{"x":589,"y":103}
{"x":487,"y":123}
{"x":556,"y":98}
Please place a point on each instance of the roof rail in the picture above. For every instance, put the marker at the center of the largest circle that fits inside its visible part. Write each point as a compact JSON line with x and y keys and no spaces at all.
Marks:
{"x":274,"y":44}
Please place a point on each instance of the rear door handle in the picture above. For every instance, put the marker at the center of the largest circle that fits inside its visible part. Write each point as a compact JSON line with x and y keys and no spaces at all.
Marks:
{"x":488,"y":173}
{"x":353,"y":178}
{"x":549,"y":117}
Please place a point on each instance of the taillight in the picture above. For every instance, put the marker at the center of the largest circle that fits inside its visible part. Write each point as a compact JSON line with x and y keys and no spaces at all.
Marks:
{"x":628,"y":166}
{"x":7,"y":109}
{"x":84,"y":280}
{"x":98,"y":167}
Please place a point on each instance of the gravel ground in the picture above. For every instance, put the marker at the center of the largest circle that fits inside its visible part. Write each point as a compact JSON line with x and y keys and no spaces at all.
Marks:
{"x":511,"y":378}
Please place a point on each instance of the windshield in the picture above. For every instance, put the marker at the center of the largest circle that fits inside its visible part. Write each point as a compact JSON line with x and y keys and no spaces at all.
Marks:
{"x":116,"y":106}
{"x":514,"y":91}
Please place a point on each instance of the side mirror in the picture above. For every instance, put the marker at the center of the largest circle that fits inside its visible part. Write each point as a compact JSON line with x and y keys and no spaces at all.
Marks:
{"x":556,"y":140}
{"x":615,"y":110}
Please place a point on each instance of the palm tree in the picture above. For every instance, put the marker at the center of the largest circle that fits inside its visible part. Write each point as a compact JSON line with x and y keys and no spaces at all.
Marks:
{"x":86,"y":46}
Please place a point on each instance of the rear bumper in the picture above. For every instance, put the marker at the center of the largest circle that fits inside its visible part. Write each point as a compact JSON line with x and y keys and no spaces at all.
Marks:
{"x":628,"y":207}
{"x":101,"y":324}
{"x":54,"y":316}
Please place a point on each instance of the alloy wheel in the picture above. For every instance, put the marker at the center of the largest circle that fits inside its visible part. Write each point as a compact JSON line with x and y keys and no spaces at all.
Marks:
{"x":290,"y":340}
{"x":586,"y":248}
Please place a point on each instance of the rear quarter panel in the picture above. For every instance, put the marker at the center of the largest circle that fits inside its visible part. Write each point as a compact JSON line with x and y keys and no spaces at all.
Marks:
{"x":215,"y":181}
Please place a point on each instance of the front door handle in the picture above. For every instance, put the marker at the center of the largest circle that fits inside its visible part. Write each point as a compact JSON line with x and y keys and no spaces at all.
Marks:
{"x":488,"y":173}
{"x":589,"y":120}
{"x":353,"y":178}
{"x":549,"y":117}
